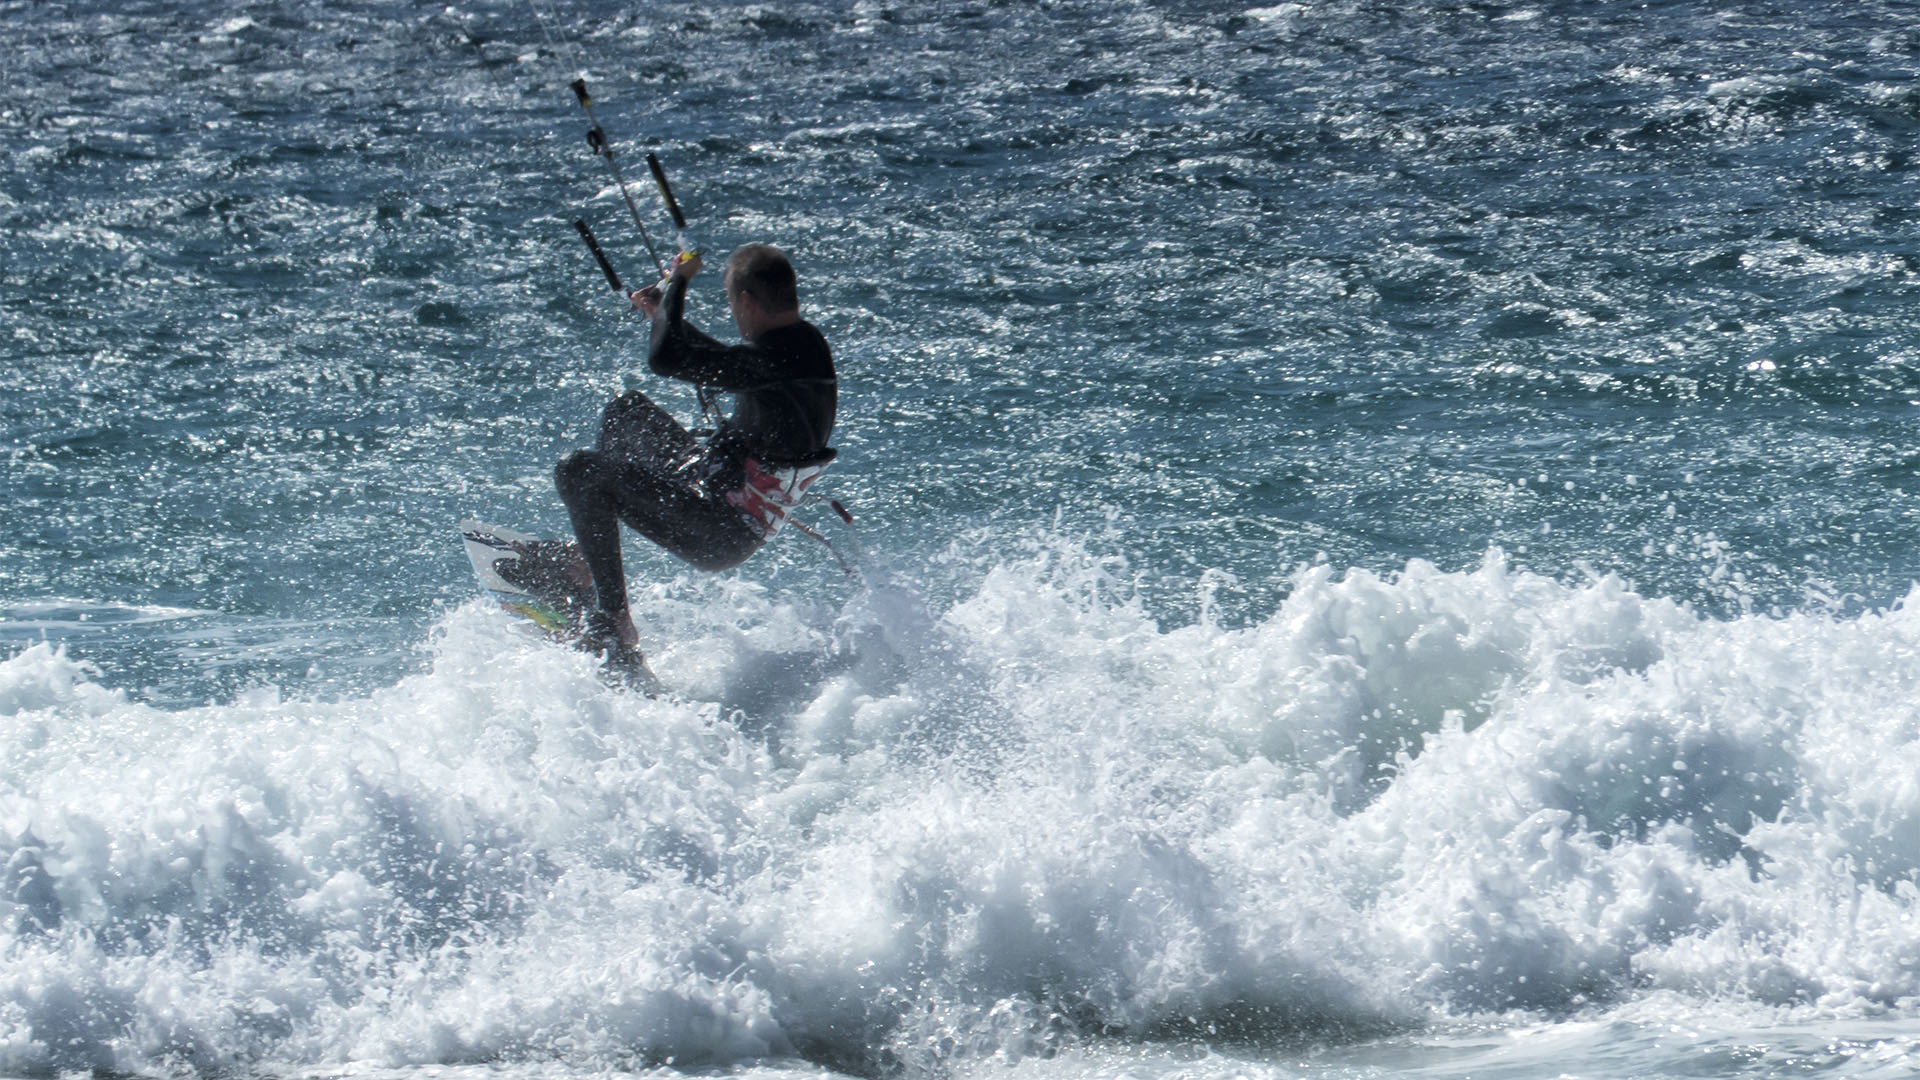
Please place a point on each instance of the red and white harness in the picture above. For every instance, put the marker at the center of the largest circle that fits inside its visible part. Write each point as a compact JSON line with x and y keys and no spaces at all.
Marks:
{"x":771,"y":495}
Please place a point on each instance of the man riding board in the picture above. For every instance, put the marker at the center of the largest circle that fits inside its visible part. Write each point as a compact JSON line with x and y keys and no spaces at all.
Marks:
{"x":711,"y":504}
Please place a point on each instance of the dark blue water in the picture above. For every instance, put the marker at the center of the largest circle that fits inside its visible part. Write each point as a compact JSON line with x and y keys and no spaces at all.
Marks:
{"x":1178,"y":314}
{"x":289,"y":288}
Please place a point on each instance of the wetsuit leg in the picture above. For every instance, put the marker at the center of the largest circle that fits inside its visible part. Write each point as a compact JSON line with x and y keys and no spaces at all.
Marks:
{"x":585,"y":482}
{"x":706,"y":532}
{"x":635,"y":430}
{"x":628,"y":478}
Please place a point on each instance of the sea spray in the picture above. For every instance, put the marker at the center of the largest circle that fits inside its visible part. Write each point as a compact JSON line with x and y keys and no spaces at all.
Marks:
{"x":1399,"y":799}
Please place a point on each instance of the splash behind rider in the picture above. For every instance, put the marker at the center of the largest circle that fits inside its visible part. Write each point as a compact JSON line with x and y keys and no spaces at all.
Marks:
{"x":710,"y":504}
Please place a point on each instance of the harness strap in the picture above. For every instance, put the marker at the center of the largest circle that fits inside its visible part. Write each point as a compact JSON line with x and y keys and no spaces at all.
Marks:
{"x":770,"y":495}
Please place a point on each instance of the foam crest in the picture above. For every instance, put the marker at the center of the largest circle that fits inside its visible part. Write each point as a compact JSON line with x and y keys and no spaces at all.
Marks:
{"x":892,"y":835}
{"x":43,"y":676}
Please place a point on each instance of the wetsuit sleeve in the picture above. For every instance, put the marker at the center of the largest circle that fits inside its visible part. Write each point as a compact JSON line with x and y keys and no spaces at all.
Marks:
{"x":679,"y":350}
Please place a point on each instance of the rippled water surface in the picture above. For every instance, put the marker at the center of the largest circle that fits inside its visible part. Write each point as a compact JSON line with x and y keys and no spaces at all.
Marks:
{"x":1387,"y":533}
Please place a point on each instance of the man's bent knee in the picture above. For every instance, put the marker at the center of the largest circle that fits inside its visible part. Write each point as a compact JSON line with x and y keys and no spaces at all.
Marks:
{"x":627,"y":405}
{"x":575,"y":475}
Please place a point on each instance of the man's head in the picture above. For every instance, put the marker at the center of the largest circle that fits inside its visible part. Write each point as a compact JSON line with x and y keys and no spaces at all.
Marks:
{"x":761,"y":289}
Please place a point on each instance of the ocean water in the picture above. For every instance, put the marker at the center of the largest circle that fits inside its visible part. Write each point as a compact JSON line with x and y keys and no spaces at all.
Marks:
{"x":1387,"y":544}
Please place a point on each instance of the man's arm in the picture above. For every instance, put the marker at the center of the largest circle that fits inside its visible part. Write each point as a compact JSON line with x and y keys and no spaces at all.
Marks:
{"x":680,"y":350}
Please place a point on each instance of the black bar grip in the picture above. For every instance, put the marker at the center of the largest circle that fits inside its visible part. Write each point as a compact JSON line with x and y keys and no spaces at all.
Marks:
{"x":666,"y":193}
{"x":606,"y":267}
{"x":580,"y":91}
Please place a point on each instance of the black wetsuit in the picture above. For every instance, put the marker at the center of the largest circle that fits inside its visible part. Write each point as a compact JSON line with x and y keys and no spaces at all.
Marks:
{"x":650,"y":472}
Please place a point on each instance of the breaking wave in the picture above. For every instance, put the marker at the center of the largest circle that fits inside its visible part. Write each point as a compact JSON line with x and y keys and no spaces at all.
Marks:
{"x":903,"y":832}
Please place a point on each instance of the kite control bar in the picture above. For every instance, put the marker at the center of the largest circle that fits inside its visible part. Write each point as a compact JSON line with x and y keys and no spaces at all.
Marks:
{"x":666,"y":193}
{"x":602,"y":147}
{"x":597,"y":138}
{"x":606,"y":267}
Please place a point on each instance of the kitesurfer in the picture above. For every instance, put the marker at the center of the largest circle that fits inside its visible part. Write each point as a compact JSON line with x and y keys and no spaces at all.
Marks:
{"x":711,"y":504}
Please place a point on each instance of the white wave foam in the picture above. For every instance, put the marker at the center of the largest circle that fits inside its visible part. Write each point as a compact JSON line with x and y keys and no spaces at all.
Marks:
{"x":69,"y":614}
{"x":896,"y":835}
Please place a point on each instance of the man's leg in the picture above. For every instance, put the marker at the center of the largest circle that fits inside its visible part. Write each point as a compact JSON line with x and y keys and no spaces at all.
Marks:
{"x":631,"y":477}
{"x":710,"y":534}
{"x":635,"y":431}
{"x":705,"y":532}
{"x":585,"y":480}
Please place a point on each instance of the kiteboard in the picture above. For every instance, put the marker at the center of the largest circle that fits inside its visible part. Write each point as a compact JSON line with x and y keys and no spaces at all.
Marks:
{"x":547,"y":583}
